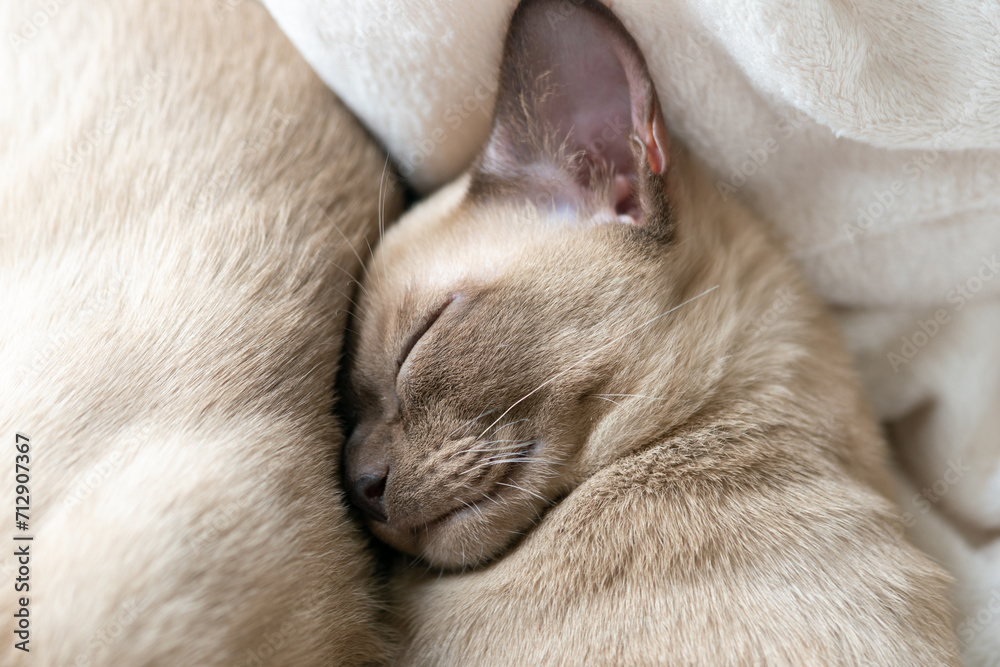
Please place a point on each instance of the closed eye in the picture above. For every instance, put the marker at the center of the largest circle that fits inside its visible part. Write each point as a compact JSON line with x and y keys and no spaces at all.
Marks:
{"x":419,"y":331}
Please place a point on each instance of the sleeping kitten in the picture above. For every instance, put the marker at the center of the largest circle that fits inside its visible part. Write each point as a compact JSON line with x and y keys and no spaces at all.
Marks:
{"x":582,"y":376}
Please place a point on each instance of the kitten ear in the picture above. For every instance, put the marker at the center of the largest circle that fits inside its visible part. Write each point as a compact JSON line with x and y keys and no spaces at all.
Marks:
{"x":577,"y":126}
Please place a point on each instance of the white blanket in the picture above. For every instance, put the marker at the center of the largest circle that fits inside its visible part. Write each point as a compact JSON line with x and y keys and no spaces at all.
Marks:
{"x":867,"y":134}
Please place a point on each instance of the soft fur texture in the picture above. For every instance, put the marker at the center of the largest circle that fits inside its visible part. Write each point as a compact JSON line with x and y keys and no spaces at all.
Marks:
{"x":182,"y":210}
{"x":581,"y":372}
{"x":865,"y":134}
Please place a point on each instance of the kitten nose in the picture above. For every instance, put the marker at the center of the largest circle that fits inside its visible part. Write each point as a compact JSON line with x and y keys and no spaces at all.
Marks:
{"x":368,"y":494}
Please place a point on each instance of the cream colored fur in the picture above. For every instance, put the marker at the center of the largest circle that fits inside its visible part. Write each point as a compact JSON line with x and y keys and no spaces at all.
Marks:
{"x":621,"y":442}
{"x":181,"y":211}
{"x":755,"y":530}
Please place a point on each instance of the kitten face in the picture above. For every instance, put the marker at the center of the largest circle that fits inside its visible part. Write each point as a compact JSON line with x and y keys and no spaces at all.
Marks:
{"x":485,"y":338}
{"x":501,"y":318}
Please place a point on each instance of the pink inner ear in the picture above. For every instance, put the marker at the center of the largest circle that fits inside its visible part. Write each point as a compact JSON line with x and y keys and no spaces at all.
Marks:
{"x":575,"y":101}
{"x":591,"y":102}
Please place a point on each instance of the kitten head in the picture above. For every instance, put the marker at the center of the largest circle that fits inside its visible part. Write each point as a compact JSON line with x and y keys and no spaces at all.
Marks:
{"x":506,"y":321}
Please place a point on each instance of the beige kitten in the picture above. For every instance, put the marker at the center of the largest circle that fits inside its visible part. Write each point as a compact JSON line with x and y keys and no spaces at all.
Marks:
{"x":180,"y":200}
{"x":582,"y":376}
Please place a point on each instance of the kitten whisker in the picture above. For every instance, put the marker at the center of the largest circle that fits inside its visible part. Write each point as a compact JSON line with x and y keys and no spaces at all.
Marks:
{"x":488,"y":445}
{"x":497,"y":428}
{"x":629,"y":410}
{"x":486,"y":411}
{"x":475,"y":508}
{"x":473,"y":421}
{"x":381,"y":208}
{"x":598,"y":350}
{"x":609,"y":400}
{"x":489,"y":450}
{"x":381,"y":201}
{"x":458,"y":427}
{"x":350,"y":245}
{"x":348,"y":298}
{"x":359,"y":283}
{"x":486,"y":464}
{"x":652,"y":398}
{"x":371,"y":251}
{"x":521,"y":488}
{"x":490,"y":498}
{"x":500,"y":458}
{"x":509,"y":459}
{"x":468,"y":424}
{"x":353,"y":278}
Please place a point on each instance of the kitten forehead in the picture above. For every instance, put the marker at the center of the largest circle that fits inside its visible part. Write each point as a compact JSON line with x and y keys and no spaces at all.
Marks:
{"x":453,"y":241}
